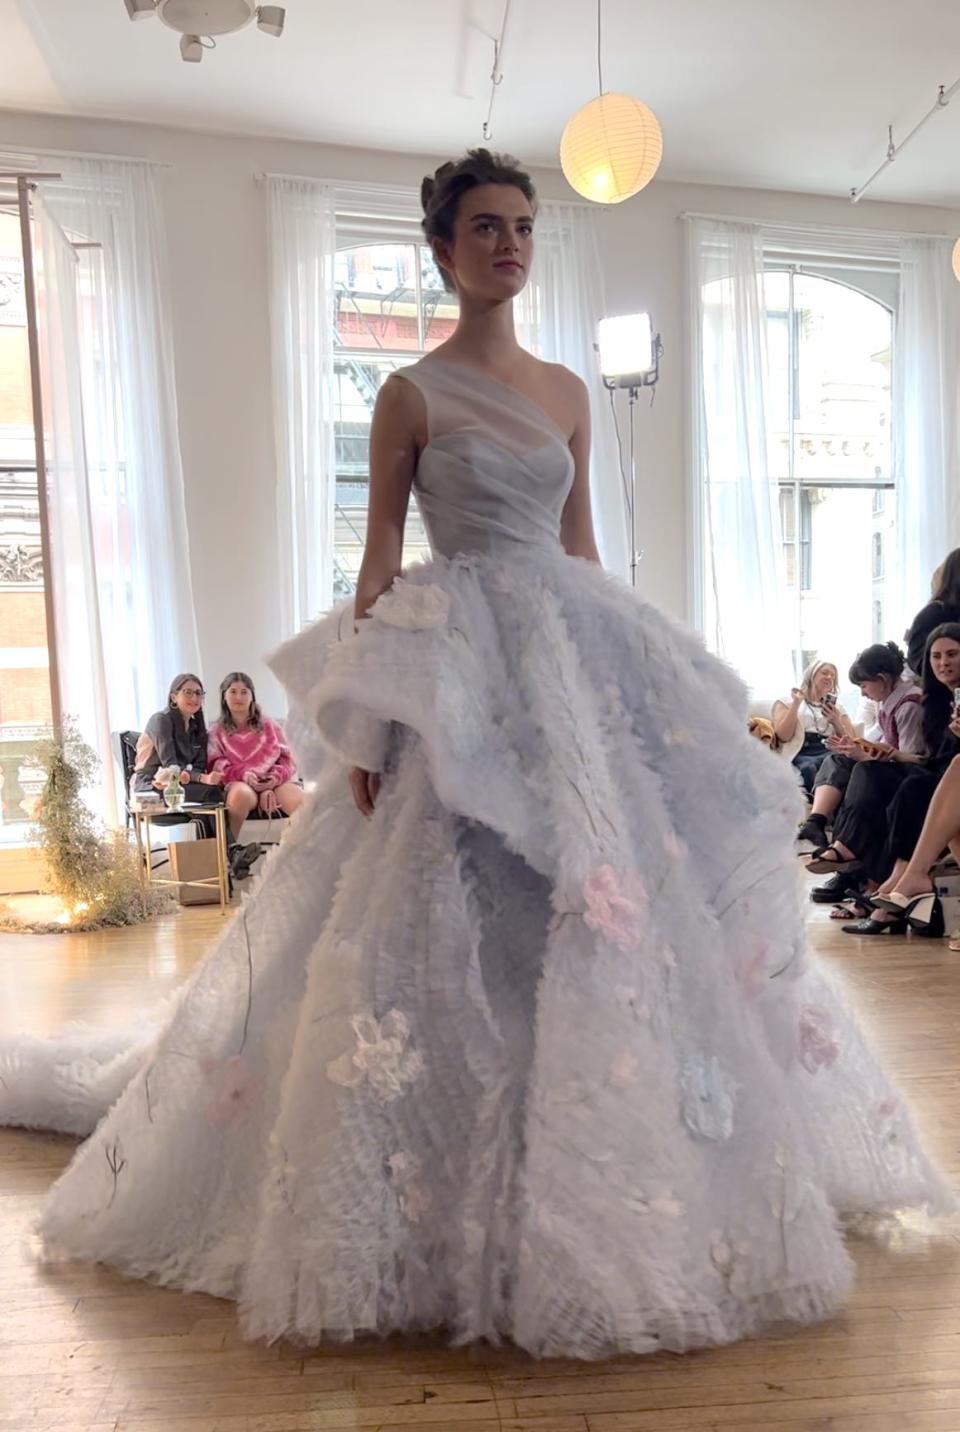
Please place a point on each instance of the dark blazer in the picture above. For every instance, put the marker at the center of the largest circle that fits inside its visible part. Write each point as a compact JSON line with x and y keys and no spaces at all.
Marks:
{"x":169,"y":741}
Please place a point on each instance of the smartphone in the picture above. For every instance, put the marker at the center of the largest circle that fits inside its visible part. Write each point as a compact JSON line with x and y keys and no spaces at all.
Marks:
{"x":830,"y":700}
{"x":956,"y":700}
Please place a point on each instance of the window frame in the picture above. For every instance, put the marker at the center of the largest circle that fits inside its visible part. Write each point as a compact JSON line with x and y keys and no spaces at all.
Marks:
{"x":800,"y":487}
{"x":349,"y":239}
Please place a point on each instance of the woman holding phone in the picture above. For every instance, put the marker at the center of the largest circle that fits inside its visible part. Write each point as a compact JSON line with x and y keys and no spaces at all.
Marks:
{"x":813,"y":713}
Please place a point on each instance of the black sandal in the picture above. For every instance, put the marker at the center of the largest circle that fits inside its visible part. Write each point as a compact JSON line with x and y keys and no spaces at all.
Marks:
{"x":861,"y":905}
{"x":819,"y":865}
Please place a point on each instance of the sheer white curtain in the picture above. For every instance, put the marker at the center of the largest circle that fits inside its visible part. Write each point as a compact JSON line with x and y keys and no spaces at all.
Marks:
{"x":557,"y":317}
{"x":303,"y":242}
{"x":132,"y":439}
{"x":926,"y":393}
{"x":81,"y":668}
{"x":735,"y":498}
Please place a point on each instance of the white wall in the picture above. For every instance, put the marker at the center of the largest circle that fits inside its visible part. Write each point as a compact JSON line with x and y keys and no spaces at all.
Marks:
{"x":216,"y":230}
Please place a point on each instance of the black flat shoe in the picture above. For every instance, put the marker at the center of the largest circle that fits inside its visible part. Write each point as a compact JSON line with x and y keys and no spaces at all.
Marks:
{"x":242,"y":858}
{"x":835,"y":888}
{"x":876,"y":927}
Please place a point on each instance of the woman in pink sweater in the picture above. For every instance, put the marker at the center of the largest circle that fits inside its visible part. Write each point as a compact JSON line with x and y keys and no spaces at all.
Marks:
{"x":252,"y":753}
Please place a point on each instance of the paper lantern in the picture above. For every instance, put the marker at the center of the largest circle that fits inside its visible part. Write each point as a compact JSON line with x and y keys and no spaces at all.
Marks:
{"x":611,"y":148}
{"x":956,"y":260}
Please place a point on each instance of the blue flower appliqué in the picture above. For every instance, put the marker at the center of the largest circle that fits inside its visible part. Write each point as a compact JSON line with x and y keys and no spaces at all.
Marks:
{"x":709,"y":1097}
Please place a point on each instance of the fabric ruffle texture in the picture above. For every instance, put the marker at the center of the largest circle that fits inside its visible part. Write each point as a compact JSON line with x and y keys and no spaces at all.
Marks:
{"x":536,"y":1053}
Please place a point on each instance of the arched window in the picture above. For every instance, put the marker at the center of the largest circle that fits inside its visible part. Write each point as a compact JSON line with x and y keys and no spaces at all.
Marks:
{"x":391,"y":309}
{"x":828,"y":420}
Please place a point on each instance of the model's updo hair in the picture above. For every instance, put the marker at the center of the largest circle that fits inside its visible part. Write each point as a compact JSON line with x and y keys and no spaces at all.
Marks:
{"x":440,"y":193}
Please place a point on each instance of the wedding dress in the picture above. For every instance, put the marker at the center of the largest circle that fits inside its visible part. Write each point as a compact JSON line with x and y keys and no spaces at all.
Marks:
{"x":537,"y":1052}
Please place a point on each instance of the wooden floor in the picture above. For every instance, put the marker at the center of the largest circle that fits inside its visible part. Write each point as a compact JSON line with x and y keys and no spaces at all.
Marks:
{"x":83,"y":1348}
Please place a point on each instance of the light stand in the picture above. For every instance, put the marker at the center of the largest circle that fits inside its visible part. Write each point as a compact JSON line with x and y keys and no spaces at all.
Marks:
{"x":629,"y":358}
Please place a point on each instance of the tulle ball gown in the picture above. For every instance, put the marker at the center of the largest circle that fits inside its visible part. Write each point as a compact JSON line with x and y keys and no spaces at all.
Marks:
{"x":537,"y":1053}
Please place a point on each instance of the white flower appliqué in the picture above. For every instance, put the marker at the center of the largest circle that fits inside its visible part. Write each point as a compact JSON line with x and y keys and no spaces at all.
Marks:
{"x":381,"y":1057}
{"x":615,"y":907}
{"x":413,"y":607}
{"x":709,"y":1097}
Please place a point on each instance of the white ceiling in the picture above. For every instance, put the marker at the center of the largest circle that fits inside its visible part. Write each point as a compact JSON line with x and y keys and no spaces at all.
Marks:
{"x":748,"y":92}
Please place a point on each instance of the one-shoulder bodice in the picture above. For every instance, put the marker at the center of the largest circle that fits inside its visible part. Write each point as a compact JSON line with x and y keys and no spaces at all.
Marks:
{"x":496,"y":469}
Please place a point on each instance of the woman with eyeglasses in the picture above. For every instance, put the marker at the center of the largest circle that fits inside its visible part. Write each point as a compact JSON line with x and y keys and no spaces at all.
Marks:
{"x":177,"y":736}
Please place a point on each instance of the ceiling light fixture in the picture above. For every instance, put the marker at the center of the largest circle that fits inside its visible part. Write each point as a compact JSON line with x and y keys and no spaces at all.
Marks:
{"x":199,"y":21}
{"x":612,"y":147}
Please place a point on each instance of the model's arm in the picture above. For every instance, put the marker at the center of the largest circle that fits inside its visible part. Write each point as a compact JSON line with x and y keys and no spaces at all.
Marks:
{"x":394,"y":444}
{"x":576,"y":524}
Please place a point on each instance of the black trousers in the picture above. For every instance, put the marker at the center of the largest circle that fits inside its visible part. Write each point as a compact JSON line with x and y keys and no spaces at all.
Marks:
{"x":835,"y":770}
{"x":863,"y":824}
{"x":810,"y":758}
{"x":906,"y":815}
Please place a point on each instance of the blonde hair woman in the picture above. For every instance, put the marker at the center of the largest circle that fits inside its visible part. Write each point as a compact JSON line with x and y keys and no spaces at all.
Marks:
{"x":811,"y":715}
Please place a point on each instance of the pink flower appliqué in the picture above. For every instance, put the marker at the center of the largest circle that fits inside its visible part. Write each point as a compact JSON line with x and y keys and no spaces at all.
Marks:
{"x":233,"y":1087}
{"x":818,"y":1048}
{"x":680,"y":737}
{"x":753,"y":974}
{"x":615,"y":908}
{"x":624,"y":1070}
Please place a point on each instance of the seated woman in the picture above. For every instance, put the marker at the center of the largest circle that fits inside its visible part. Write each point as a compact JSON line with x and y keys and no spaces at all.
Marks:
{"x":177,"y":736}
{"x":888,"y":798}
{"x":249,"y":753}
{"x":944,"y":607}
{"x":909,"y":892}
{"x":878,"y":672}
{"x":812,"y":714}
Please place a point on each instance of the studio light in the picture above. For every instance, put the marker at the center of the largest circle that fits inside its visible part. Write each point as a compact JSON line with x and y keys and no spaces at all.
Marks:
{"x":629,"y":353}
{"x":191,"y":49}
{"x":627,"y":350}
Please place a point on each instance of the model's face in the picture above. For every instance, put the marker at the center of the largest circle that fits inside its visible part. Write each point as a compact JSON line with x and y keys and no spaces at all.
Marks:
{"x":945,"y":661}
{"x":492,"y":248}
{"x":824,"y":682}
{"x":238,"y":697}
{"x":189,"y":699}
